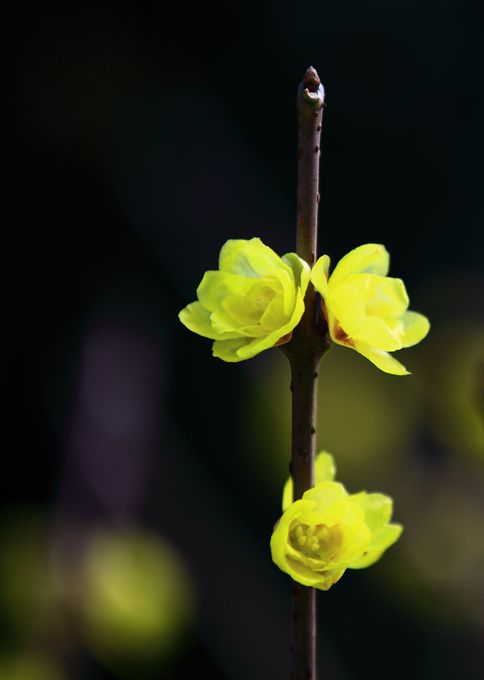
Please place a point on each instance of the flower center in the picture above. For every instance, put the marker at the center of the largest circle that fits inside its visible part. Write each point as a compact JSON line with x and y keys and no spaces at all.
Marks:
{"x":310,"y":540}
{"x":261,"y":295}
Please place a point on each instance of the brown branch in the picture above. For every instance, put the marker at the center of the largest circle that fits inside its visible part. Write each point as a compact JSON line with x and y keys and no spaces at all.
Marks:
{"x":307,"y":346}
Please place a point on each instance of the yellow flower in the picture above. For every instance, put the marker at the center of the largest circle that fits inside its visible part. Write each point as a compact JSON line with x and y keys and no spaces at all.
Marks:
{"x":367,"y":310}
{"x":251,"y":303}
{"x":328,"y":530}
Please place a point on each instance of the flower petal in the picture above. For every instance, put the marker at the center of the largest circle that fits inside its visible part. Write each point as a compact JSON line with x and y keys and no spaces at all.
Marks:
{"x":257,"y":345}
{"x":386,"y":297}
{"x":378,"y":509}
{"x":322,"y":580}
{"x":385,"y":538}
{"x":384,"y":361}
{"x":228,"y":349}
{"x":324,"y":471}
{"x":371,"y":258}
{"x":416,"y":327}
{"x":373,"y":332}
{"x":326,"y":494}
{"x":249,"y":258}
{"x":324,"y":467}
{"x":319,"y":275}
{"x":348,"y":305}
{"x":197,"y":319}
{"x":286,"y":282}
{"x":215,"y":286}
{"x":280,"y":535}
{"x":300,"y":269}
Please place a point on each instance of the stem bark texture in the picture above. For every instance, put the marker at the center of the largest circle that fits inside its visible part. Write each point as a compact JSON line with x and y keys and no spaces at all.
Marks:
{"x":307,"y":346}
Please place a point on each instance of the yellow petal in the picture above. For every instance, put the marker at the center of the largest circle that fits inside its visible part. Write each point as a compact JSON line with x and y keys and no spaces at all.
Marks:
{"x":348,"y":304}
{"x":387,"y":537}
{"x":215,"y":286}
{"x":197,"y":319}
{"x":300,"y":270}
{"x":280,"y":535}
{"x":373,"y":332}
{"x":325,"y":494}
{"x":324,"y":467}
{"x":384,"y":361}
{"x":288,"y":287}
{"x":236,"y":312}
{"x":249,"y":258}
{"x":416,"y":327}
{"x":259,"y":344}
{"x":228,"y":349}
{"x":355,"y":539}
{"x":319,"y":275}
{"x":386,"y":297}
{"x":378,"y":509}
{"x":371,"y":258}
{"x":324,"y":471}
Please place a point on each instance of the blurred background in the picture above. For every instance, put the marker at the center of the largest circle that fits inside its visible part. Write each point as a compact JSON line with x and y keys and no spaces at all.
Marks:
{"x":141,"y":477}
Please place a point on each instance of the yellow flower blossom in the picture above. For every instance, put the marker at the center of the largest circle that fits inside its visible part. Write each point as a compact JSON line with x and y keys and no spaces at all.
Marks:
{"x":251,"y":303}
{"x":327,"y":531}
{"x":367,"y":310}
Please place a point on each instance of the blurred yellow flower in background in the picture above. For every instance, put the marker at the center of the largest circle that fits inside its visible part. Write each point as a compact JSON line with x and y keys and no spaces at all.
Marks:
{"x":137,"y":597}
{"x":367,"y":310}
{"x":327,"y":531}
{"x":252,"y":302}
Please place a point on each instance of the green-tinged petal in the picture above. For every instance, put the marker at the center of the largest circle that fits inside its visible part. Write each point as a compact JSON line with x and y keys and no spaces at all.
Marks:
{"x":273,"y":317}
{"x":215,"y":286}
{"x":245,"y":312}
{"x":197,"y":319}
{"x":287,"y":493}
{"x":383,"y":540}
{"x":382,"y":360}
{"x":386,"y":297}
{"x":329,"y":578}
{"x":326,"y":494}
{"x":235,"y":313}
{"x":378,"y":509}
{"x":259,"y":344}
{"x":221,"y":321}
{"x":280,"y":535}
{"x":227,"y":350}
{"x":300,"y":269}
{"x":288,"y":288}
{"x":340,"y":511}
{"x":324,"y":471}
{"x":416,"y":326}
{"x":319,"y":275}
{"x":371,"y":258}
{"x":322,"y":580}
{"x":324,"y":467}
{"x":249,"y":258}
{"x":235,"y":302}
{"x":355,"y":539}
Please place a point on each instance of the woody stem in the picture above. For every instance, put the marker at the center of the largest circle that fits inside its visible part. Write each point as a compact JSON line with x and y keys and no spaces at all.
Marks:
{"x":304,"y":351}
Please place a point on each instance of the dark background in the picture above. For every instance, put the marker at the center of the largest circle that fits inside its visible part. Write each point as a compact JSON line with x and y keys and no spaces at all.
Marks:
{"x":138,"y":139}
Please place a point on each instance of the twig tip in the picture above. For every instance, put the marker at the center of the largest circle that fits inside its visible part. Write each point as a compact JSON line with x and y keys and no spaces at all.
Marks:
{"x":311,"y":90}
{"x":311,"y":79}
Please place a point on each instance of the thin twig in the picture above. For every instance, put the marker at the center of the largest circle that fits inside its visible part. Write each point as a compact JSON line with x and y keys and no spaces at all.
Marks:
{"x":305,"y":350}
